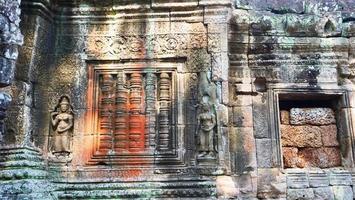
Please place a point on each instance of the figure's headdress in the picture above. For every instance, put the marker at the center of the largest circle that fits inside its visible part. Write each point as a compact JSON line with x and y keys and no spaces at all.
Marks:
{"x":64,"y":100}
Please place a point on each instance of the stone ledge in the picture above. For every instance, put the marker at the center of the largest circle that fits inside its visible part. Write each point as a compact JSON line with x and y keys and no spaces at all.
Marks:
{"x":315,"y":177}
{"x":167,"y":189}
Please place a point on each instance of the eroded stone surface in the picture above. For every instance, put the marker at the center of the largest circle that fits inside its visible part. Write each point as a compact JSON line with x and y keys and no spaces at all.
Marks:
{"x":310,"y":139}
{"x":248,"y":49}
{"x":297,"y":194}
{"x":319,"y":157}
{"x":271,"y":184}
{"x":329,"y":136}
{"x":301,"y":136}
{"x":342,"y":192}
{"x":285,"y":117}
{"x":325,"y":193}
{"x":226,"y":188}
{"x":314,"y":116}
{"x":290,"y":157}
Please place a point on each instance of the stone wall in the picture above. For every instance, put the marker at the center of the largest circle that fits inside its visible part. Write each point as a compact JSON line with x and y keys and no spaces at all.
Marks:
{"x":309,"y":138}
{"x":94,"y":59}
{"x":11,"y":39}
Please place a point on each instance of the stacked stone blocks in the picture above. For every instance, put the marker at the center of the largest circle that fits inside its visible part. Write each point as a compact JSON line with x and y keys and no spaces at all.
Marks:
{"x":309,"y":138}
{"x":330,"y":184}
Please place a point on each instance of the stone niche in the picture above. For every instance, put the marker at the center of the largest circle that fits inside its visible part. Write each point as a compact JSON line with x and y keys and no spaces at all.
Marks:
{"x":309,"y":136}
{"x":313,"y":132}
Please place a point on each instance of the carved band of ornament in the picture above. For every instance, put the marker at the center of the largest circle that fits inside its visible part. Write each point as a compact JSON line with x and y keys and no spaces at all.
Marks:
{"x":146,"y":44}
{"x":298,"y":62}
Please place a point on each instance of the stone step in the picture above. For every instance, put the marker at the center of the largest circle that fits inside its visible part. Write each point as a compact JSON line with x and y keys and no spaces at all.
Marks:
{"x":21,"y":163}
{"x":168,"y":189}
{"x":22,"y":173}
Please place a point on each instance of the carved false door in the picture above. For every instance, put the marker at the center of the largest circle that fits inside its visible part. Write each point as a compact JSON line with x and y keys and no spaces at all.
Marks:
{"x":135,"y":115}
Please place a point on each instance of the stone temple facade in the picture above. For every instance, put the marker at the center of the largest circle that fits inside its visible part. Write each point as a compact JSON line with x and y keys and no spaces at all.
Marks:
{"x":170,"y":99}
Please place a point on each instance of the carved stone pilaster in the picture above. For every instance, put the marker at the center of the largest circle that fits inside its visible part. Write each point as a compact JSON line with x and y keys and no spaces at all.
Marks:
{"x":106,"y":105}
{"x":121,"y":120}
{"x":136,"y":117}
{"x":164,"y":122}
{"x":150,"y":108}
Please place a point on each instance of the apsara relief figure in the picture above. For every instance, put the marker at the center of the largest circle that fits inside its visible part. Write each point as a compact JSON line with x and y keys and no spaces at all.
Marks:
{"x":206,"y":119}
{"x":206,"y":123}
{"x":62,"y":122}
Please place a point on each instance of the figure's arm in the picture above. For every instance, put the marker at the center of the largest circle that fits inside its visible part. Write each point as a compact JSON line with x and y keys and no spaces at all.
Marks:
{"x":214,"y":121}
{"x":198,"y":125}
{"x":54,"y":119}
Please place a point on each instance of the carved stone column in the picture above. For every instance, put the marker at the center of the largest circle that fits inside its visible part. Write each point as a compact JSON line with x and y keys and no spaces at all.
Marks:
{"x":164,"y":122}
{"x":121,"y":139}
{"x":16,"y":151}
{"x":106,"y":107}
{"x":136,"y":118}
{"x":10,"y":39}
{"x":150,"y":108}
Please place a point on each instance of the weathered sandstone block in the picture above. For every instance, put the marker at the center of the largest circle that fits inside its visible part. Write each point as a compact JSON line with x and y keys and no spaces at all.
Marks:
{"x":314,"y":116}
{"x":271,"y":184}
{"x":243,"y":116}
{"x":329,"y":136}
{"x":285,"y":117}
{"x":226,"y":187}
{"x":290,"y":157}
{"x":301,"y":136}
{"x":296,"y":194}
{"x":342,"y":192}
{"x":323,"y":193}
{"x":319,"y":157}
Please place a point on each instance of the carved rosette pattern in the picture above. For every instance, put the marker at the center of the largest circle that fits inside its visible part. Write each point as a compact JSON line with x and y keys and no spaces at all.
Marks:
{"x":106,"y":46}
{"x":165,"y":102}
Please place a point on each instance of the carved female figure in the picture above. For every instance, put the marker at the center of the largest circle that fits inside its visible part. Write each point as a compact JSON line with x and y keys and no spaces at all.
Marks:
{"x":206,"y":122}
{"x":62,"y":121}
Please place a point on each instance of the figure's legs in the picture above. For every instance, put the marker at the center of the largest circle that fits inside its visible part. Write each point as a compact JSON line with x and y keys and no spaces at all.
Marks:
{"x":203,"y":144}
{"x":56,"y":144}
{"x":61,"y":147}
{"x":64,"y":143}
{"x":210,"y":142}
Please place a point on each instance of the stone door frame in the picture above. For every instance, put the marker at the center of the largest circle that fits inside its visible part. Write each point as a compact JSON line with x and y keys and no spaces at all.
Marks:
{"x":343,"y":115}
